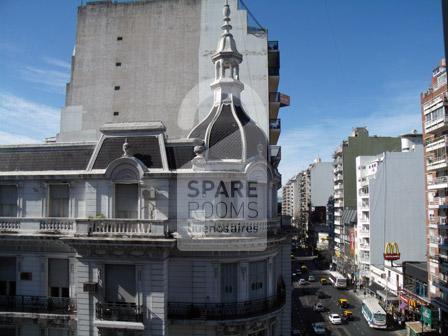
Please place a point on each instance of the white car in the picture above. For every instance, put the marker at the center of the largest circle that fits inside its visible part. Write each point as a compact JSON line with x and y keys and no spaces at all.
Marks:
{"x":319,"y":328}
{"x":318,"y":307}
{"x":335,"y":319}
{"x":311,"y":278}
{"x":302,"y":282}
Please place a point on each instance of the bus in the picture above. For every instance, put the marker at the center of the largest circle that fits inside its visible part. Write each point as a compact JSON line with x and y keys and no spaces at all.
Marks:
{"x":338,"y":280}
{"x":374,"y":313}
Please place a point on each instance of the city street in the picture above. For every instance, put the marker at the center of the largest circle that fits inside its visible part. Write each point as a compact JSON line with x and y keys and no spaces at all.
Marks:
{"x":304,"y":297}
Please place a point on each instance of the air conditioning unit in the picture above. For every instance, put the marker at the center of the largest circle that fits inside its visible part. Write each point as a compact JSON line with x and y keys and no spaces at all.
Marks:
{"x":90,"y":287}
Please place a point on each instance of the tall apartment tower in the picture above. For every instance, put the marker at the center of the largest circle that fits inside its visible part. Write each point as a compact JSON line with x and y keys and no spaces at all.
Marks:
{"x":143,"y":227}
{"x":359,"y":143}
{"x":434,"y":106}
{"x":382,"y":214}
{"x":149,"y":60}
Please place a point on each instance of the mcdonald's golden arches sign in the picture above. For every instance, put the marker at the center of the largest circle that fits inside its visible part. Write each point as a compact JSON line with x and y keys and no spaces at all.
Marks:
{"x":391,"y":252}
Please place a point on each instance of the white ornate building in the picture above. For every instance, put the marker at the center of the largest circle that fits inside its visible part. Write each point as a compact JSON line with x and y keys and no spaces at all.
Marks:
{"x":96,"y":237}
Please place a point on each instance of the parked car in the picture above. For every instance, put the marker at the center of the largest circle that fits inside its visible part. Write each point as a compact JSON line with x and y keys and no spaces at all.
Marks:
{"x":302,"y":282}
{"x":311,"y":278}
{"x":335,"y":319}
{"x":319,"y":328}
{"x":318,"y":307}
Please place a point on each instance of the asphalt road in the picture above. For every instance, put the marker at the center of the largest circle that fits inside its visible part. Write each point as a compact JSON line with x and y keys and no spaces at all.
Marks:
{"x":303,"y":316}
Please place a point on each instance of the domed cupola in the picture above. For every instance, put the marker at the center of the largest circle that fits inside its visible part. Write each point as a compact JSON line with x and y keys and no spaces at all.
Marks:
{"x":228,"y":132}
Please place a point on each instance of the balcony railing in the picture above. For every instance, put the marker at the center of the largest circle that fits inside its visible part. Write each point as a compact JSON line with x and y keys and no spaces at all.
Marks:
{"x":435,"y":124}
{"x":117,"y":228}
{"x":275,"y":124}
{"x":224,"y":311}
{"x":126,"y":312}
{"x":435,"y":143}
{"x":438,"y":201}
{"x":123,"y":227}
{"x":438,"y":180}
{"x":435,"y":160}
{"x":273,"y":46}
{"x":37,"y":225}
{"x":37,"y":304}
{"x":277,"y":97}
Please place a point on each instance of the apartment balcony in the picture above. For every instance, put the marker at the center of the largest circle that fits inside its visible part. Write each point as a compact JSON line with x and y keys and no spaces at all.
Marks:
{"x":364,"y":232}
{"x":365,"y":220}
{"x":87,"y":227}
{"x":339,"y":186}
{"x":277,"y":100}
{"x":337,"y":168}
{"x":41,"y":226}
{"x":37,"y":304}
{"x":364,"y":206}
{"x":337,"y":221}
{"x":438,"y":202}
{"x":274,"y":130}
{"x":363,"y":192}
{"x":338,"y":195}
{"x":436,"y":143}
{"x":364,"y":246}
{"x":225,"y":311}
{"x":123,"y":312}
{"x":434,"y":163}
{"x":435,"y":240}
{"x":337,"y":231}
{"x":437,"y":125}
{"x":273,"y":65}
{"x":440,"y":182}
{"x":338,"y":177}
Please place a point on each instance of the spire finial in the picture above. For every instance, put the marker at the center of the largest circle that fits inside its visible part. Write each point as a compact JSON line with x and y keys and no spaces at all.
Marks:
{"x":226,"y":13}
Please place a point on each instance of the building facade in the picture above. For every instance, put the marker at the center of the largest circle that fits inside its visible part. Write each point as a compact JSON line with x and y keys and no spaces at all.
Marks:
{"x":345,"y":200}
{"x":138,"y":233}
{"x":150,"y":47}
{"x":382,"y":216}
{"x":434,"y":104}
{"x":305,"y":197}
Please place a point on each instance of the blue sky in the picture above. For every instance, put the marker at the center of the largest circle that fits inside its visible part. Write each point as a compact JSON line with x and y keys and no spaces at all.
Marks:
{"x":345,"y":63}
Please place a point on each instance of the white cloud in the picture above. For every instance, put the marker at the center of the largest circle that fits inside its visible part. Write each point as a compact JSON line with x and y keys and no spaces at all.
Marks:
{"x":391,"y":116}
{"x":57,"y":62}
{"x":23,"y":120}
{"x":48,"y":80}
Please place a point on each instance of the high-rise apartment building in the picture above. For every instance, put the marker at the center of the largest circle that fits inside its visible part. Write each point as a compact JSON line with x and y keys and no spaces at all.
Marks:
{"x":137,"y":227}
{"x":383,"y":216}
{"x":345,"y":199}
{"x":135,"y":60}
{"x":305,"y":197}
{"x":434,"y":105}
